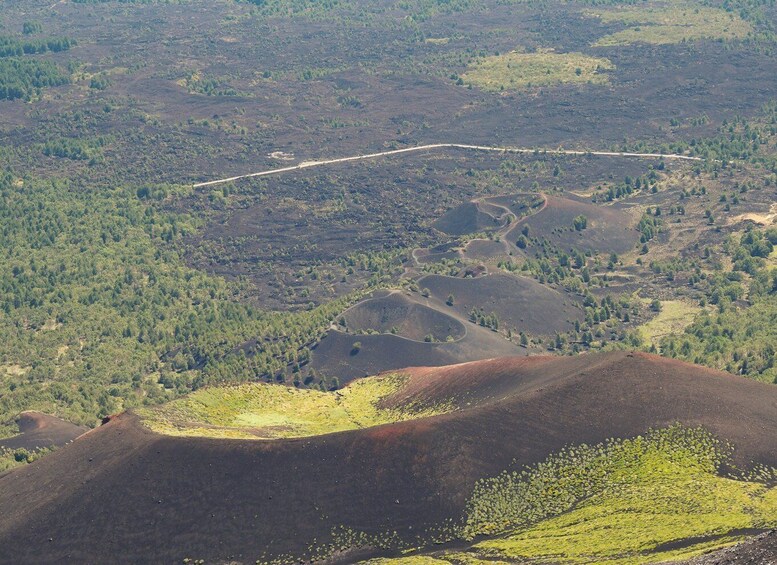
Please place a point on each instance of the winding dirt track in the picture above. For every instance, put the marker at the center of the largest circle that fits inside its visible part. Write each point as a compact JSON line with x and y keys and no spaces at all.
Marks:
{"x":308,"y":164}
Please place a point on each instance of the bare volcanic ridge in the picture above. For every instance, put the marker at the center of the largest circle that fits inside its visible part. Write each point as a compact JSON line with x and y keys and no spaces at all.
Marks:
{"x":123,"y":494}
{"x":38,"y":430}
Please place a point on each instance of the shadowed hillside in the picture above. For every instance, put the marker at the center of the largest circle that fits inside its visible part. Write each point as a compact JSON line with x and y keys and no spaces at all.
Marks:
{"x":124,"y":494}
{"x":470,"y":217}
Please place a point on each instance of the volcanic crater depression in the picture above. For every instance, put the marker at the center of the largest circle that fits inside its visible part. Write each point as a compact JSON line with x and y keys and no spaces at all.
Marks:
{"x":265,"y":411}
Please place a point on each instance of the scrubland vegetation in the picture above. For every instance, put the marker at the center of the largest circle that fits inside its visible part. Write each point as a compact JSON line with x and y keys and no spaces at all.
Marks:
{"x":623,"y":501}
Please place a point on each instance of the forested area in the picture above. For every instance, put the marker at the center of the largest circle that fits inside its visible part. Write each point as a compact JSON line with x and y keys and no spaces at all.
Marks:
{"x":739,"y":333}
{"x":98,"y":312}
{"x":24,"y":78}
{"x":14,"y":47}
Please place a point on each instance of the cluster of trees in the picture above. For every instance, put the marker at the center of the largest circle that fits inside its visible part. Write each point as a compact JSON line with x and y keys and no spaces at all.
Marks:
{"x":98,"y":312}
{"x":418,"y":10}
{"x":24,"y":78}
{"x":210,"y":87}
{"x":631,"y":185}
{"x":553,"y":265}
{"x":10,"y":458}
{"x":580,"y":223}
{"x":99,"y":82}
{"x":737,"y":140}
{"x":74,"y":149}
{"x":31,"y":28}
{"x":739,"y":335}
{"x":14,"y":47}
{"x":478,"y":316}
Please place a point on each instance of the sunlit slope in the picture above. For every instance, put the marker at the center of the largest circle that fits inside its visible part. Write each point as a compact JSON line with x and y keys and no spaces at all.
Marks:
{"x":126,"y":494}
{"x":266,"y":411}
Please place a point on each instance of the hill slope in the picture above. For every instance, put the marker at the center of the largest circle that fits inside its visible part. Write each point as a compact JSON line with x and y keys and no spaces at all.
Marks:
{"x":759,"y":550}
{"x":124,"y":494}
{"x":38,"y":430}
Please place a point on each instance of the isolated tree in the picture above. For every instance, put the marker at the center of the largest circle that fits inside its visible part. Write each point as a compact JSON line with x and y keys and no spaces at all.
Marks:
{"x":580,"y":222}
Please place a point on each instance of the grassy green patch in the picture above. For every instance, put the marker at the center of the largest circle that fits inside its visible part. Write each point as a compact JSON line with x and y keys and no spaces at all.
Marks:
{"x":521,"y":70}
{"x":660,"y":24}
{"x":265,"y":411}
{"x":673,"y":318}
{"x":651,"y":499}
{"x":621,"y":502}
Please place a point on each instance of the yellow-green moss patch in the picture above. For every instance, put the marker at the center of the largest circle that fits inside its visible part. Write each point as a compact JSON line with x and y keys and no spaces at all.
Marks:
{"x":512,"y":71}
{"x":673,"y":318}
{"x":647,"y":500}
{"x":266,"y":411}
{"x":662,"y":24}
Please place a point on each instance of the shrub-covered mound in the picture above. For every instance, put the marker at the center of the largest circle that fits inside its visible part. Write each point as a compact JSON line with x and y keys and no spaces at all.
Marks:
{"x":654,"y":498}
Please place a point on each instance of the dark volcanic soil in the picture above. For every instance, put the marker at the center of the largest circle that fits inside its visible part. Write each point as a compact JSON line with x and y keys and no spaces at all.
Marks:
{"x":760,"y":550}
{"x":406,"y":317}
{"x":122,"y":494}
{"x":520,"y":303}
{"x":38,"y":430}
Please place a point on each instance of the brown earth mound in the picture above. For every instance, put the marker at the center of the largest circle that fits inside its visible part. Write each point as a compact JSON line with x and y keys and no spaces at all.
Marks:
{"x":336,"y":355}
{"x":38,"y":430}
{"x":122,"y":494}
{"x":609,"y":229}
{"x":398,"y":314}
{"x":485,"y":249}
{"x":520,"y":303}
{"x":470,"y":217}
